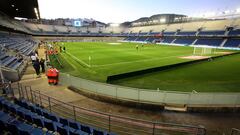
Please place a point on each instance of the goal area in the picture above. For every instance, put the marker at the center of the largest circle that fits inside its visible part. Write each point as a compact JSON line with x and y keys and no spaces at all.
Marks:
{"x":200,"y":51}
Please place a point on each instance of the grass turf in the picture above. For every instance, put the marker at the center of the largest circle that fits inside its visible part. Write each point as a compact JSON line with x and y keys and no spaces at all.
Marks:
{"x":219,"y":75}
{"x":109,"y":59}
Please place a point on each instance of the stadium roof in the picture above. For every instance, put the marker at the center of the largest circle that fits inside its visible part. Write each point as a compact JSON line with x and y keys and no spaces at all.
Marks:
{"x":20,"y":8}
{"x":145,"y":19}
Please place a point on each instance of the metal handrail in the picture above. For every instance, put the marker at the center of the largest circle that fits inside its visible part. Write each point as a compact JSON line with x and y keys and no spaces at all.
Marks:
{"x":75,"y":112}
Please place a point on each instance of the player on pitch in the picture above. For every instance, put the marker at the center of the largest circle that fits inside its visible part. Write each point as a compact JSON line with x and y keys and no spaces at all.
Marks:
{"x":137,"y":47}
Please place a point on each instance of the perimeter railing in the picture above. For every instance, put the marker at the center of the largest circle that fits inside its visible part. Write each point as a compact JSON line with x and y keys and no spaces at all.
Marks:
{"x":159,"y":97}
{"x":111,"y":123}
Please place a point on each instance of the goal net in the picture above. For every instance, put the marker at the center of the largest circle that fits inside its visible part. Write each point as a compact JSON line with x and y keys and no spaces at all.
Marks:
{"x":203,"y":51}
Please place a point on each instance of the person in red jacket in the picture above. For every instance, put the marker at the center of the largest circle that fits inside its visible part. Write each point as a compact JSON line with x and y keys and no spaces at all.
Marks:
{"x":55,"y":76}
{"x":50,"y":75}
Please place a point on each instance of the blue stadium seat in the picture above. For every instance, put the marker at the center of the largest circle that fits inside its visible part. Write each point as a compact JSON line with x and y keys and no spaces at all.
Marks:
{"x":216,"y":32}
{"x":86,"y":129}
{"x":169,"y":33}
{"x":21,"y":112}
{"x":77,"y":132}
{"x":209,"y":41}
{"x":39,"y":121}
{"x":232,"y":43}
{"x":39,"y":111}
{"x":63,"y":121}
{"x":62,"y":130}
{"x":51,"y":125}
{"x":13,"y":108}
{"x":24,"y":129}
{"x":29,"y":116}
{"x":187,"y":33}
{"x":32,"y":108}
{"x":4,"y":118}
{"x":53,"y":117}
{"x":98,"y":132}
{"x":141,"y":39}
{"x":234,"y":32}
{"x":151,"y":39}
{"x":12,"y":126}
{"x":167,"y":40}
{"x":187,"y":41}
{"x":37,"y":131}
{"x":74,"y":124}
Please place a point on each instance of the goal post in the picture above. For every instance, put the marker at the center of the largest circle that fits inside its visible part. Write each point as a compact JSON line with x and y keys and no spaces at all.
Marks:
{"x":203,"y":50}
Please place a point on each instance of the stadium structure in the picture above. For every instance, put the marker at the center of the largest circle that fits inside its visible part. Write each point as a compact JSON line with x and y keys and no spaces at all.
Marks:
{"x":163,"y":63}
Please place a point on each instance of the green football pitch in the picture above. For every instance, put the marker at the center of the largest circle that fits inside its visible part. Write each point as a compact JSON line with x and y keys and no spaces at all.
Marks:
{"x":98,"y":60}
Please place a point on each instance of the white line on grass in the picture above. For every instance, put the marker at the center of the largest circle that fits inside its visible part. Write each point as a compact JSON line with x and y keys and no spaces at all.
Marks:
{"x":81,"y":61}
{"x":136,"y":61}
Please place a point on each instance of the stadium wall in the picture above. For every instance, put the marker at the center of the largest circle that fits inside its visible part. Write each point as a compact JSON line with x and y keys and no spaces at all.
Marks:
{"x":188,"y":101}
{"x":90,"y":39}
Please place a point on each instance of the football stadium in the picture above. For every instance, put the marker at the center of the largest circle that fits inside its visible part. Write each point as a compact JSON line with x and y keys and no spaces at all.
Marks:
{"x":171,"y":73}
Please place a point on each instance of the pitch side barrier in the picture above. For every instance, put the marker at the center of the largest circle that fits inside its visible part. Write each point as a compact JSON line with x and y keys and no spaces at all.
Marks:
{"x":154,"y":97}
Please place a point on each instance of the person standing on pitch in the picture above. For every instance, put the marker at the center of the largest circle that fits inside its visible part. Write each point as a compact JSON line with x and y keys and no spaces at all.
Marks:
{"x":137,"y":47}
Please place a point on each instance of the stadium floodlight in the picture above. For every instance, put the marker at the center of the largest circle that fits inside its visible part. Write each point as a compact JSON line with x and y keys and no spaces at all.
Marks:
{"x":162,"y":20}
{"x":238,"y":10}
{"x":36,"y":12}
{"x":114,"y":24}
{"x":20,"y":18}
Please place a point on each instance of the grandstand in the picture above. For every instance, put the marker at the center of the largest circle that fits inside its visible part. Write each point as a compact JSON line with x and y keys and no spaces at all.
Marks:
{"x":99,"y":58}
{"x":14,"y":52}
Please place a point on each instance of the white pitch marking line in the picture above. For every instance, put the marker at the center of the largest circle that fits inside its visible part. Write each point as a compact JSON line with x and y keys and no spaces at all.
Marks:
{"x":81,"y":61}
{"x":136,"y":61}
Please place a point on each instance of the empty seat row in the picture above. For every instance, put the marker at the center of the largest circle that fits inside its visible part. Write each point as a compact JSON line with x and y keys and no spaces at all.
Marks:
{"x":209,"y":41}
{"x":9,"y":122}
{"x":23,"y":45}
{"x":59,"y":124}
{"x":232,"y":42}
{"x":11,"y":61}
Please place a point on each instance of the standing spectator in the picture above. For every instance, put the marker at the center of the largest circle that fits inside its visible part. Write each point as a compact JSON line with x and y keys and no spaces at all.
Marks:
{"x":42,"y":64}
{"x":33,"y":58}
{"x":36,"y":53}
{"x":36,"y":66}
